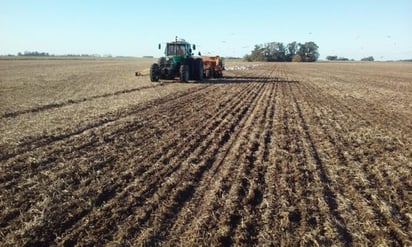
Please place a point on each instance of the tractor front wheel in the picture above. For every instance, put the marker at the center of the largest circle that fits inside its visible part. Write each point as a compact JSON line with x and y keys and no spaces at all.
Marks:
{"x":154,"y":72}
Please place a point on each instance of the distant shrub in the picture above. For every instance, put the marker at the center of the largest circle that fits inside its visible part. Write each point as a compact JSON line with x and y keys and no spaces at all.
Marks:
{"x":370,"y":59}
{"x":332,"y":58}
{"x":336,"y":58}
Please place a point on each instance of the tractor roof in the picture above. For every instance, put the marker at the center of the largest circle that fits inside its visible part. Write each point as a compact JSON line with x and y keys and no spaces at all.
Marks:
{"x":179,"y":42}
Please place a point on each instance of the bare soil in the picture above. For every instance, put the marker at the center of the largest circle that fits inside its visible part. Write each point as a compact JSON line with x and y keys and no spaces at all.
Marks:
{"x":272,"y":154}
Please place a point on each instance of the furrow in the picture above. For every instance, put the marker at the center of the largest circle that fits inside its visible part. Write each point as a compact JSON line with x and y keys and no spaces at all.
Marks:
{"x":330,"y":195}
{"x":362,"y":192}
{"x":165,"y":166}
{"x":153,"y":234}
{"x":33,"y":143}
{"x":226,"y":215}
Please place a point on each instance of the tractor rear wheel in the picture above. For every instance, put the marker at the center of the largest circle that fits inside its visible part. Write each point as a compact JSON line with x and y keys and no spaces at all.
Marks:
{"x":184,"y":73}
{"x":191,"y":63}
{"x":198,"y":73}
{"x":154,"y":72}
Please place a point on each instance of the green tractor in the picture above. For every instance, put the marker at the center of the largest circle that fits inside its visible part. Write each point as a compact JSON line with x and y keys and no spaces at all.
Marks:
{"x":177,"y":62}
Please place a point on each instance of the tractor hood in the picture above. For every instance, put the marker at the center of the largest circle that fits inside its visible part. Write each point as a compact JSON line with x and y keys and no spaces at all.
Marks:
{"x":174,"y":59}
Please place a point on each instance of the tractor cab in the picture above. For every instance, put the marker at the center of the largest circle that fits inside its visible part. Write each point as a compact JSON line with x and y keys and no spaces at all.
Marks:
{"x":173,"y":49}
{"x":178,"y":48}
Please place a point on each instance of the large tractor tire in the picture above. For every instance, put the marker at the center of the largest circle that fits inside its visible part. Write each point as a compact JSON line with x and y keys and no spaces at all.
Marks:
{"x":191,"y":63}
{"x":184,"y":73}
{"x":198,"y":69}
{"x":154,"y":72}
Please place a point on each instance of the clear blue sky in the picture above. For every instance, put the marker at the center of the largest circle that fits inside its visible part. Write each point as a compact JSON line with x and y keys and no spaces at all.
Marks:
{"x":349,"y":28}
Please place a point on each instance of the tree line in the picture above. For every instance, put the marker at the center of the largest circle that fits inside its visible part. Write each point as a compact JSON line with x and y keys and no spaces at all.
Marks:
{"x":279,"y":52}
{"x":33,"y":54}
{"x":46,"y":54}
{"x":336,"y":58}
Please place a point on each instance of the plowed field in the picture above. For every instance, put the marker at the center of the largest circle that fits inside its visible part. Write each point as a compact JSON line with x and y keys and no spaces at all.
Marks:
{"x":272,"y":154}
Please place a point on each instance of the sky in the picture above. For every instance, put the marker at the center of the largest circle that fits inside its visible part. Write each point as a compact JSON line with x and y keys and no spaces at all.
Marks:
{"x":345,"y":28}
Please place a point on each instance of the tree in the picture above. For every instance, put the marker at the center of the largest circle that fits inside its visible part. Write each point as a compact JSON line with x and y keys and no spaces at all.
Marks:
{"x":278,"y":52}
{"x":336,"y":58}
{"x":308,"y":51}
{"x":291,"y":50}
{"x":34,"y":53}
{"x":275,"y":52}
{"x":258,"y":54}
{"x":247,"y":58}
{"x":370,"y":58}
{"x":296,"y":58}
{"x":332,"y":58}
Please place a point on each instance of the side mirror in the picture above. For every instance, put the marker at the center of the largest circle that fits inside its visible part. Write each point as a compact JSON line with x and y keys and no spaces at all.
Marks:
{"x":194,"y":47}
{"x":160,"y":46}
{"x":200,"y":54}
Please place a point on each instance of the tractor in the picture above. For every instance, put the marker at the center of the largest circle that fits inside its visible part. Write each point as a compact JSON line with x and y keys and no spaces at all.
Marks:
{"x":178,"y":62}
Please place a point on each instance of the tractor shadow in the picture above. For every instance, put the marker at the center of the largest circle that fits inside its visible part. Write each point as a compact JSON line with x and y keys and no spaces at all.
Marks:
{"x":248,"y":79}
